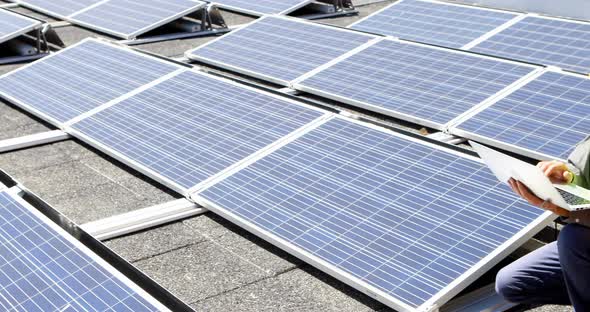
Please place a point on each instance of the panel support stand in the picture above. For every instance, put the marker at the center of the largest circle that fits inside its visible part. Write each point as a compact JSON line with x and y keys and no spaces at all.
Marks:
{"x":205,"y":22}
{"x":142,"y":219}
{"x":33,"y":140}
{"x":34,"y":45}
{"x":483,"y":299}
{"x":329,"y":8}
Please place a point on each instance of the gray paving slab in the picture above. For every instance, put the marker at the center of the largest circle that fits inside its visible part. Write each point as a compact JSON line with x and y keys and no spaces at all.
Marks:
{"x":294,"y":290}
{"x":15,"y":123}
{"x":80,"y":184}
{"x":8,"y":68}
{"x":163,"y":239}
{"x":215,"y":266}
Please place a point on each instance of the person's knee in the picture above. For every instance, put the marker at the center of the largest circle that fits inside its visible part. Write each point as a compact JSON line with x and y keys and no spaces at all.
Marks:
{"x":509,"y":287}
{"x":571,"y":243}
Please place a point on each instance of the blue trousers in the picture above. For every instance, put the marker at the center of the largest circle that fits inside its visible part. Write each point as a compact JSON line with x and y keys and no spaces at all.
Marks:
{"x":558,"y":273}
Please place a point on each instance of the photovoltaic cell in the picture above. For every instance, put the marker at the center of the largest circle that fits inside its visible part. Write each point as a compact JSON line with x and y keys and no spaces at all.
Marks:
{"x":541,"y":40}
{"x":12,"y":25}
{"x":427,"y":85}
{"x":130,"y":18}
{"x":547,"y":117}
{"x":58,"y":8}
{"x":79,"y":79}
{"x":193,"y":126}
{"x":402,"y":218}
{"x":433,"y":22}
{"x":279,"y":49}
{"x":45,"y":269}
{"x":261,"y":7}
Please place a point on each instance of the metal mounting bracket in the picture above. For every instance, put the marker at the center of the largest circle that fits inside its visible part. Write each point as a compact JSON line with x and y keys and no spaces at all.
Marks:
{"x":330,"y":8}
{"x":204,"y":22}
{"x":33,"y":140}
{"x":142,"y":219}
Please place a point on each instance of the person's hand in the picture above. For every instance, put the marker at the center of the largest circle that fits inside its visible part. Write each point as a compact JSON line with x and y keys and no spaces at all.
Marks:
{"x":556,"y":171}
{"x":524,"y":192}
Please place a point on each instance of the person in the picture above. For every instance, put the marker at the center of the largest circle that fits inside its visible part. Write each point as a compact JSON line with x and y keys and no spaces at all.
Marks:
{"x":559,"y":272}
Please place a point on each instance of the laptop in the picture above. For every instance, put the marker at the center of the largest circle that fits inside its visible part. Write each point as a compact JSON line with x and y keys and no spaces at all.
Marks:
{"x":570,"y":197}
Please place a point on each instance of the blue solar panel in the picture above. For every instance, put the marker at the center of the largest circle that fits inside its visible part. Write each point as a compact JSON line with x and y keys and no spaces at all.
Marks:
{"x":430,"y":86}
{"x":434,"y":22}
{"x":403,"y":218}
{"x":130,"y":18}
{"x":547,"y":41}
{"x":260,"y":7}
{"x":80,"y":78}
{"x":58,"y":8}
{"x":12,"y":25}
{"x":545,"y":118}
{"x":194,"y":126}
{"x":42,"y":268}
{"x":279,"y":49}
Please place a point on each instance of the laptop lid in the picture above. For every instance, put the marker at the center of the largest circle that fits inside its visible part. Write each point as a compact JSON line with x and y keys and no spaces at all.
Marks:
{"x":506,"y":167}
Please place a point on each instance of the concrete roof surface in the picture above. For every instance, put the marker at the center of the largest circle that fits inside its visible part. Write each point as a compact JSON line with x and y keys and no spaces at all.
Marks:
{"x":206,"y":261}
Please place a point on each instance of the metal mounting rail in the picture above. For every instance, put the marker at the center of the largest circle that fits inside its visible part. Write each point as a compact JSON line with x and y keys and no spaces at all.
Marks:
{"x":447,"y":138}
{"x":142,"y":219}
{"x":8,"y":6}
{"x":484,"y":299}
{"x":33,"y":140}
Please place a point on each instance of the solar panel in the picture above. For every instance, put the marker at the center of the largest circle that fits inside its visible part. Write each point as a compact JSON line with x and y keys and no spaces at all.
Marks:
{"x":545,"y":119}
{"x":79,"y":79}
{"x":131,"y":18}
{"x":58,"y":8}
{"x":543,"y":40}
{"x":426,"y":85}
{"x":278,"y":49}
{"x":192,"y":126}
{"x":261,"y":7}
{"x":406,"y":222}
{"x":433,"y":22}
{"x":13,"y":25}
{"x":46,"y":269}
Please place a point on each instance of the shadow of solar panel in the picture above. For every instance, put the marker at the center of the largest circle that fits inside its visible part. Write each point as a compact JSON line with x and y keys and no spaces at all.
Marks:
{"x":404,"y":221}
{"x":43,"y":268}
{"x":58,"y":8}
{"x":545,"y":119}
{"x":192,"y":126}
{"x":79,"y":79}
{"x":130,"y":18}
{"x":261,"y":7}
{"x":433,"y":22}
{"x":12,"y":25}
{"x":279,"y":49}
{"x":543,"y":40}
{"x":426,"y":85}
